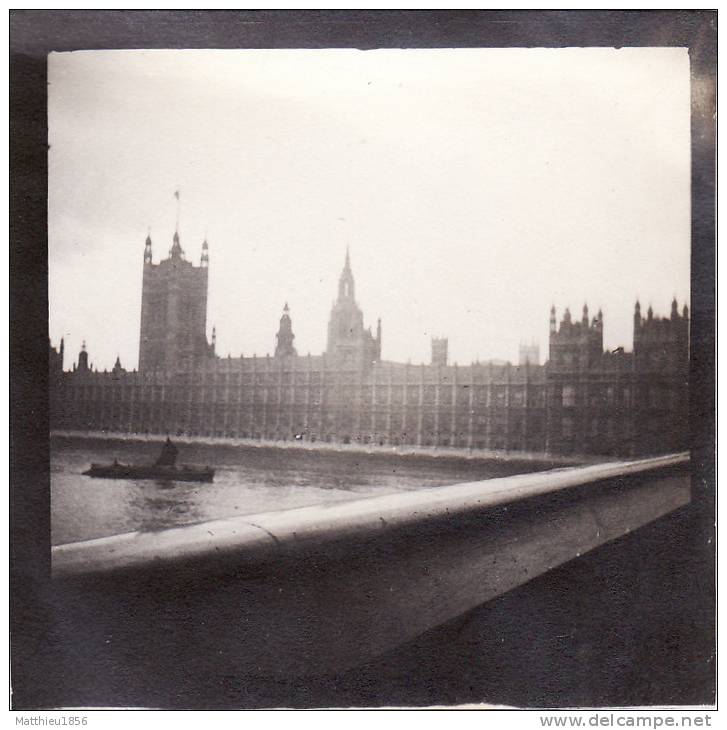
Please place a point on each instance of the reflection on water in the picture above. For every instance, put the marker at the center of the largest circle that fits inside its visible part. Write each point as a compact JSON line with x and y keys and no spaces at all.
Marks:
{"x":247,"y":481}
{"x":152,"y":509}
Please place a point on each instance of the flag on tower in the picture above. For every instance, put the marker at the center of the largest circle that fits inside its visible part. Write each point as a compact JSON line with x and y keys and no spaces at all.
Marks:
{"x":176,"y":195}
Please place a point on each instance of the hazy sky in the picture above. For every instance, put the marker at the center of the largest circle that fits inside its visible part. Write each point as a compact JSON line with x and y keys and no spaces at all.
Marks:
{"x":475,"y":188}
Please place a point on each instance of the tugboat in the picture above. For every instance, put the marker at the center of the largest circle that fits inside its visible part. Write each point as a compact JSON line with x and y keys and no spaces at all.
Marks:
{"x":165,"y":467}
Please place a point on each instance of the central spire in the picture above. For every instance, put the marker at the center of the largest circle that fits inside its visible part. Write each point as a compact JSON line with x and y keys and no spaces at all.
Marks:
{"x":345,"y":283}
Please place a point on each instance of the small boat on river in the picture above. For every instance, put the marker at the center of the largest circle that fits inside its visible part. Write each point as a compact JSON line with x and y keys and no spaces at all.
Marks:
{"x":164,"y":467}
{"x":182,"y":473}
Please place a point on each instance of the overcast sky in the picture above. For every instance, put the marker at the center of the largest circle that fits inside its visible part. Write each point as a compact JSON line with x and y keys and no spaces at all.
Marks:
{"x":475,"y":188}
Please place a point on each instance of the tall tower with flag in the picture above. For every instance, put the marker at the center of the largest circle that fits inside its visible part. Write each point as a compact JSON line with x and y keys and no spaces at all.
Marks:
{"x":173,"y":308}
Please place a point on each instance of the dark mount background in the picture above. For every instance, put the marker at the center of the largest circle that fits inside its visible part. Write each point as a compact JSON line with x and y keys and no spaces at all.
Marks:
{"x":657,"y":585}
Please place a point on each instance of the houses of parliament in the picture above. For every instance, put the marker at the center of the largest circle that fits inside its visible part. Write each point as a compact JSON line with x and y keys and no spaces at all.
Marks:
{"x":582,"y":401}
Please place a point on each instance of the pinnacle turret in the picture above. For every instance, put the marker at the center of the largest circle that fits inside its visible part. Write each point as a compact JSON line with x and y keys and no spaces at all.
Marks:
{"x":147,"y":248}
{"x":285,"y":336}
{"x":205,"y":258}
{"x":83,"y":358}
{"x":176,"y":251}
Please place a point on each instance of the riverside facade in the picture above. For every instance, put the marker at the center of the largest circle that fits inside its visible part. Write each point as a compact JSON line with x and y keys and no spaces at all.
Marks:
{"x":582,"y":401}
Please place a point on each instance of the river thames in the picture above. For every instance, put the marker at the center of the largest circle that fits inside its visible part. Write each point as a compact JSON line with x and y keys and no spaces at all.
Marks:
{"x":565,"y":618}
{"x":248,"y":480}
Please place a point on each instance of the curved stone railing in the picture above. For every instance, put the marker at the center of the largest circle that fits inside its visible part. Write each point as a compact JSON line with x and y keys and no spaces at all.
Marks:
{"x":332,"y":585}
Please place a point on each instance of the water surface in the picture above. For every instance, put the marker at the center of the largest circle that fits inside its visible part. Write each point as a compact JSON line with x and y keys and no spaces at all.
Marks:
{"x":248,"y":480}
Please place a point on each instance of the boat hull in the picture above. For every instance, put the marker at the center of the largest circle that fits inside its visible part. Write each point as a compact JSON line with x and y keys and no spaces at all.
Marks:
{"x":167,"y":473}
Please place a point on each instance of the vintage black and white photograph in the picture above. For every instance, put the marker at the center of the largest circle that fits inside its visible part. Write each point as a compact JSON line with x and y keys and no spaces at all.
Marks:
{"x":369,"y":379}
